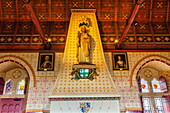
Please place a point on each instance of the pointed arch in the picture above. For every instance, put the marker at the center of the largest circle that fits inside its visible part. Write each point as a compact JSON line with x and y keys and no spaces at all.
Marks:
{"x":23,"y":63}
{"x":17,"y":106}
{"x":11,"y":107}
{"x":145,"y":60}
{"x":4,"y":107}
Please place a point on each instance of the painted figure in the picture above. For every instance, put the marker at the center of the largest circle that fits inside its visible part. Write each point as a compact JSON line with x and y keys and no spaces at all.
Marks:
{"x":120,"y":63}
{"x":47,"y":63}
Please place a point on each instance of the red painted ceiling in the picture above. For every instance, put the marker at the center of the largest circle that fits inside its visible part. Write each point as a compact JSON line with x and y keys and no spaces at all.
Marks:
{"x":18,"y":31}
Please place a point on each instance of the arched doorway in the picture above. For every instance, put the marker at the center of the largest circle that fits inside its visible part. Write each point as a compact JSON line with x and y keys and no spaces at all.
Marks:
{"x":16,"y":73}
{"x":153,"y":85}
{"x":152,"y":88}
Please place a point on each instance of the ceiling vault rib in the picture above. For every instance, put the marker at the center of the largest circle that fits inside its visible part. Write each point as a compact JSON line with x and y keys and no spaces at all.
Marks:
{"x":135,"y":10}
{"x":167,"y":16}
{"x":150,"y":22}
{"x":35,"y":20}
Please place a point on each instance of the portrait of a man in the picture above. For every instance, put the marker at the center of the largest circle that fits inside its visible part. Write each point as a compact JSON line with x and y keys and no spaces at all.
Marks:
{"x":46,"y":62}
{"x":120,"y":61}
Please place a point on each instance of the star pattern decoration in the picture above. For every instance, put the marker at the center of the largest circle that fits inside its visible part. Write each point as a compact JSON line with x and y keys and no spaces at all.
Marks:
{"x":143,"y":5}
{"x":59,"y":16}
{"x":25,"y":27}
{"x":23,"y":5}
{"x":9,"y":4}
{"x":159,"y":27}
{"x":159,"y":4}
{"x":75,"y":4}
{"x":125,"y":16}
{"x":107,"y":16}
{"x":8,"y":27}
{"x":41,"y":16}
{"x":142,"y":27}
{"x":91,"y":4}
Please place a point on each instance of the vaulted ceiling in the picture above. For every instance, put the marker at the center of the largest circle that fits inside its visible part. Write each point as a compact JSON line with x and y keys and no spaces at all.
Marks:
{"x":18,"y":30}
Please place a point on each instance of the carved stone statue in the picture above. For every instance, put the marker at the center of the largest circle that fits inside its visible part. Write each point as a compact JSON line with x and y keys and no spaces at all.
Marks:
{"x":83,"y":45}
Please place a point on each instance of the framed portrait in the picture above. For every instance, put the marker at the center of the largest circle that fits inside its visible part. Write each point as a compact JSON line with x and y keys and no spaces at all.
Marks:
{"x":120,"y":61}
{"x":46,"y":62}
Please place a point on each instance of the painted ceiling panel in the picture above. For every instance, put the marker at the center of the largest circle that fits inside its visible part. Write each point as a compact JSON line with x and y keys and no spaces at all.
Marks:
{"x":17,"y":26}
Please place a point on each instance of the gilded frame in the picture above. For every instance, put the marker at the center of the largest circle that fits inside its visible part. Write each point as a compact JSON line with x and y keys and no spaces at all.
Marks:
{"x":46,"y":61}
{"x":120,"y":61}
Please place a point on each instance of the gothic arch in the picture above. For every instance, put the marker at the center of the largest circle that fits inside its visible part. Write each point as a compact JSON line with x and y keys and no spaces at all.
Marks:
{"x":145,"y":60}
{"x":23,"y":63}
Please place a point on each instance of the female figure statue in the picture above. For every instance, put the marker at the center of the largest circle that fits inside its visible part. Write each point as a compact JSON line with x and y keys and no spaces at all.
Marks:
{"x":83,"y":46}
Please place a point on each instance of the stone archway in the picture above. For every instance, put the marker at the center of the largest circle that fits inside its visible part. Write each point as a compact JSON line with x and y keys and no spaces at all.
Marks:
{"x":23,"y":63}
{"x":143,"y":61}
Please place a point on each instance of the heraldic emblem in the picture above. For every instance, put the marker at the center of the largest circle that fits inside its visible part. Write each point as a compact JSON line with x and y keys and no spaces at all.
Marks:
{"x":84,"y":106}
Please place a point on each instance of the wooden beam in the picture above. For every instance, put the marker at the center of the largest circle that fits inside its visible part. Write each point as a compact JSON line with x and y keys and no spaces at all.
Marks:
{"x":35,"y":19}
{"x":135,"y":10}
{"x":32,"y":32}
{"x":66,"y":19}
{"x":49,"y":10}
{"x":1,"y":27}
{"x":167,"y":16}
{"x":17,"y":13}
{"x":153,"y":35}
{"x":116,"y":30}
{"x":15,"y":33}
{"x":150,"y":22}
{"x":136,"y":40}
{"x":116,"y":19}
{"x":1,"y":10}
{"x":167,"y":13}
{"x":99,"y":9}
{"x":151,"y":11}
{"x":1,"y":16}
{"x":83,"y":4}
{"x":116,"y":10}
{"x":49,"y":29}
